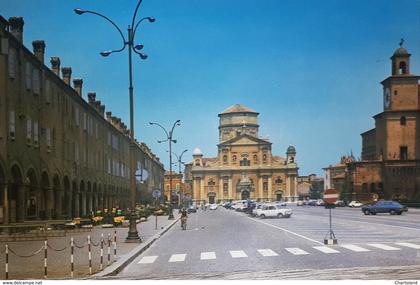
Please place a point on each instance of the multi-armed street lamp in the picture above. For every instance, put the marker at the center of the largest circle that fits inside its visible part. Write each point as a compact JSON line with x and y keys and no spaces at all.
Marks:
{"x":133,"y":235}
{"x":169,"y":138}
{"x":180,"y":163}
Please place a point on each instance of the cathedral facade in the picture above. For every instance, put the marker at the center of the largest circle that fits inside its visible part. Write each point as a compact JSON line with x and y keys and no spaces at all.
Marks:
{"x":244,"y":167}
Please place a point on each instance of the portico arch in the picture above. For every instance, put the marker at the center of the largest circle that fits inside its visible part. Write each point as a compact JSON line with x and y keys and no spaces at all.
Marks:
{"x":57,"y":198}
{"x":17,"y":195}
{"x":68,"y":198}
{"x":82,"y":199}
{"x":45,"y":204}
{"x":3,"y":196}
{"x":31,"y":195}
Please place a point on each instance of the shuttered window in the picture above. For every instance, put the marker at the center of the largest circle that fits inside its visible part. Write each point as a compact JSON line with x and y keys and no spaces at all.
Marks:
{"x":12,"y":63}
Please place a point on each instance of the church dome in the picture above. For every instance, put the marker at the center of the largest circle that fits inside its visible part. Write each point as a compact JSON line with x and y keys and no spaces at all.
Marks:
{"x":238,"y":108}
{"x":401,"y":51}
{"x":291,"y":149}
{"x":197,"y":151}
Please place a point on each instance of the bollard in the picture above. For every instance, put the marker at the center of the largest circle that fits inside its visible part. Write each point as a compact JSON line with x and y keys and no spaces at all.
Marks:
{"x":115,"y":244}
{"x":45,"y":259}
{"x":7,"y":261}
{"x":90,"y":256}
{"x":102,"y":252}
{"x":109,"y":248}
{"x":72,"y":257}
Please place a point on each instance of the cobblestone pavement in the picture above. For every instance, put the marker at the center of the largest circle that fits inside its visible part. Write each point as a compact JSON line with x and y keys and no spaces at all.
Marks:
{"x":59,"y":266}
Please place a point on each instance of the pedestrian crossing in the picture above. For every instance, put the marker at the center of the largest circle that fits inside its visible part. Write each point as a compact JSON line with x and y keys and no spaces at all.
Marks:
{"x":294,"y":251}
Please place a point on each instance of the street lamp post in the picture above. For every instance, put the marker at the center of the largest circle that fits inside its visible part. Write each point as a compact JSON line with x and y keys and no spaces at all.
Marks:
{"x":169,"y":138}
{"x":133,"y":235}
{"x":180,"y":162}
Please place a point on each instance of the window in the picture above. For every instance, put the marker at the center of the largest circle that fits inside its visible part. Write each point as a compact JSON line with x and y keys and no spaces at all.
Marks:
{"x":234,"y":158}
{"x":225,"y":187}
{"x":28,"y":131}
{"x":77,"y":116}
{"x":225,"y":159}
{"x":264,"y":158}
{"x":12,"y":63}
{"x":403,"y":121}
{"x":255,"y":158}
{"x":364,"y":188}
{"x":197,"y":162}
{"x":36,"y":137}
{"x":402,"y":67}
{"x":35,"y":80}
{"x":85,"y":123}
{"x":12,"y":128}
{"x":265,"y":183}
{"x":28,"y":75}
{"x":47,"y":92}
{"x":48,"y":137}
{"x":372,"y":188}
{"x":279,"y":181}
{"x":211,"y":183}
{"x":403,"y":153}
{"x":245,"y":162}
{"x":76,"y":152}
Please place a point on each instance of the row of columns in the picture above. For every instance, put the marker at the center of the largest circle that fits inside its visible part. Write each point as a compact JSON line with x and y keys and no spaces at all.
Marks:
{"x":23,"y":202}
{"x":290,"y":192}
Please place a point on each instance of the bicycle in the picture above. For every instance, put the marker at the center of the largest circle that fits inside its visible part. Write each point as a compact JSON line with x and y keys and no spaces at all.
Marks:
{"x":184,"y":223}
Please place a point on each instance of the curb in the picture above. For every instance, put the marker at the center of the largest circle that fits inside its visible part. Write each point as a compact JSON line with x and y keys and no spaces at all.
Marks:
{"x":126,"y":259}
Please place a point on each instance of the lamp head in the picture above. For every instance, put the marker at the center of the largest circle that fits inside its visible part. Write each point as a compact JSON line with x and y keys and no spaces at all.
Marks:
{"x":143,"y":56}
{"x":174,"y":141}
{"x":79,"y":11}
{"x":151,"y":19}
{"x":139,"y":47}
{"x":105,"y":53}
{"x":150,"y":123}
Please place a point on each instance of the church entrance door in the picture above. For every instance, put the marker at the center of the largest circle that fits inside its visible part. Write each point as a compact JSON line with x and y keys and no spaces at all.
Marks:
{"x":244,"y":195}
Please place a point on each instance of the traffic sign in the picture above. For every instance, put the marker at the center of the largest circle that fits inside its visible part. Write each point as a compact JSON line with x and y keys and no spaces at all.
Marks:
{"x":330,"y":196}
{"x":156,"y":193}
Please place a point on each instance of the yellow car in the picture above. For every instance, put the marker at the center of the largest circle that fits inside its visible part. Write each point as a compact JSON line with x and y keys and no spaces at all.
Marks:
{"x":159,"y":212}
{"x":97,"y":219}
{"x":118,"y":220}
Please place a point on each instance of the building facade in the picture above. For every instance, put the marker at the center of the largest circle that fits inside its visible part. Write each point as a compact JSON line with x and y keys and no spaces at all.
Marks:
{"x":309,"y":183}
{"x":245,"y":166}
{"x":60,"y":155}
{"x":180,"y":191}
{"x":390,"y":163}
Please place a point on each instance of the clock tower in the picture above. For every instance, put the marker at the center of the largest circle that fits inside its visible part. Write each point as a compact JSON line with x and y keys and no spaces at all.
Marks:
{"x":400,"y":90}
{"x":397,"y":126}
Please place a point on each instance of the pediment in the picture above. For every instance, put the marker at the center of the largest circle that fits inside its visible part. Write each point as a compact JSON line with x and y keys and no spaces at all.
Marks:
{"x":245,"y":140}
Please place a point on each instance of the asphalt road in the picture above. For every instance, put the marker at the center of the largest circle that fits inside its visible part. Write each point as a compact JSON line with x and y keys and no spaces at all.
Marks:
{"x":224,"y":244}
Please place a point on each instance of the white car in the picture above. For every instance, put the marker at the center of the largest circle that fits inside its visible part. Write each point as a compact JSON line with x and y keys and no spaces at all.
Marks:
{"x":273,"y":211}
{"x":213,"y":207}
{"x":299,"y":203}
{"x":355,"y":204}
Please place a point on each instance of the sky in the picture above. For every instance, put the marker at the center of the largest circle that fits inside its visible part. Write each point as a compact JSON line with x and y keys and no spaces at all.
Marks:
{"x":312,"y":69}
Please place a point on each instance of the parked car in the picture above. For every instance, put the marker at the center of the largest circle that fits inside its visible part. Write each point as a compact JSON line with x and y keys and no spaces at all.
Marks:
{"x":281,"y":203}
{"x":192,"y":209}
{"x":384,"y":206}
{"x":320,"y":202}
{"x":273,"y":211}
{"x":311,"y":203}
{"x":299,"y":203}
{"x":254,"y":211}
{"x":339,"y":203}
{"x":355,"y":204}
{"x":213,"y":207}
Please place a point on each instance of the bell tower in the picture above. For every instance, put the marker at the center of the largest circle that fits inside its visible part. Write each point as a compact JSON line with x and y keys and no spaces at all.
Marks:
{"x":401,"y":61}
{"x":400,"y":90}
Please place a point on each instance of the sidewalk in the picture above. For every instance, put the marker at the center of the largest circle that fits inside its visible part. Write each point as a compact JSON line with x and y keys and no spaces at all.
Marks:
{"x":59,"y":266}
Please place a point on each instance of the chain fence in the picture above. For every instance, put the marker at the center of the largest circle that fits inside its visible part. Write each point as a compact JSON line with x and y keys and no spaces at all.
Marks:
{"x":71,"y":245}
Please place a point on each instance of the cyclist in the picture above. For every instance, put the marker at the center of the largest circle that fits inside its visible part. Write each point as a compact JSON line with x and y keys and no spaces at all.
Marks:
{"x":184,"y":217}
